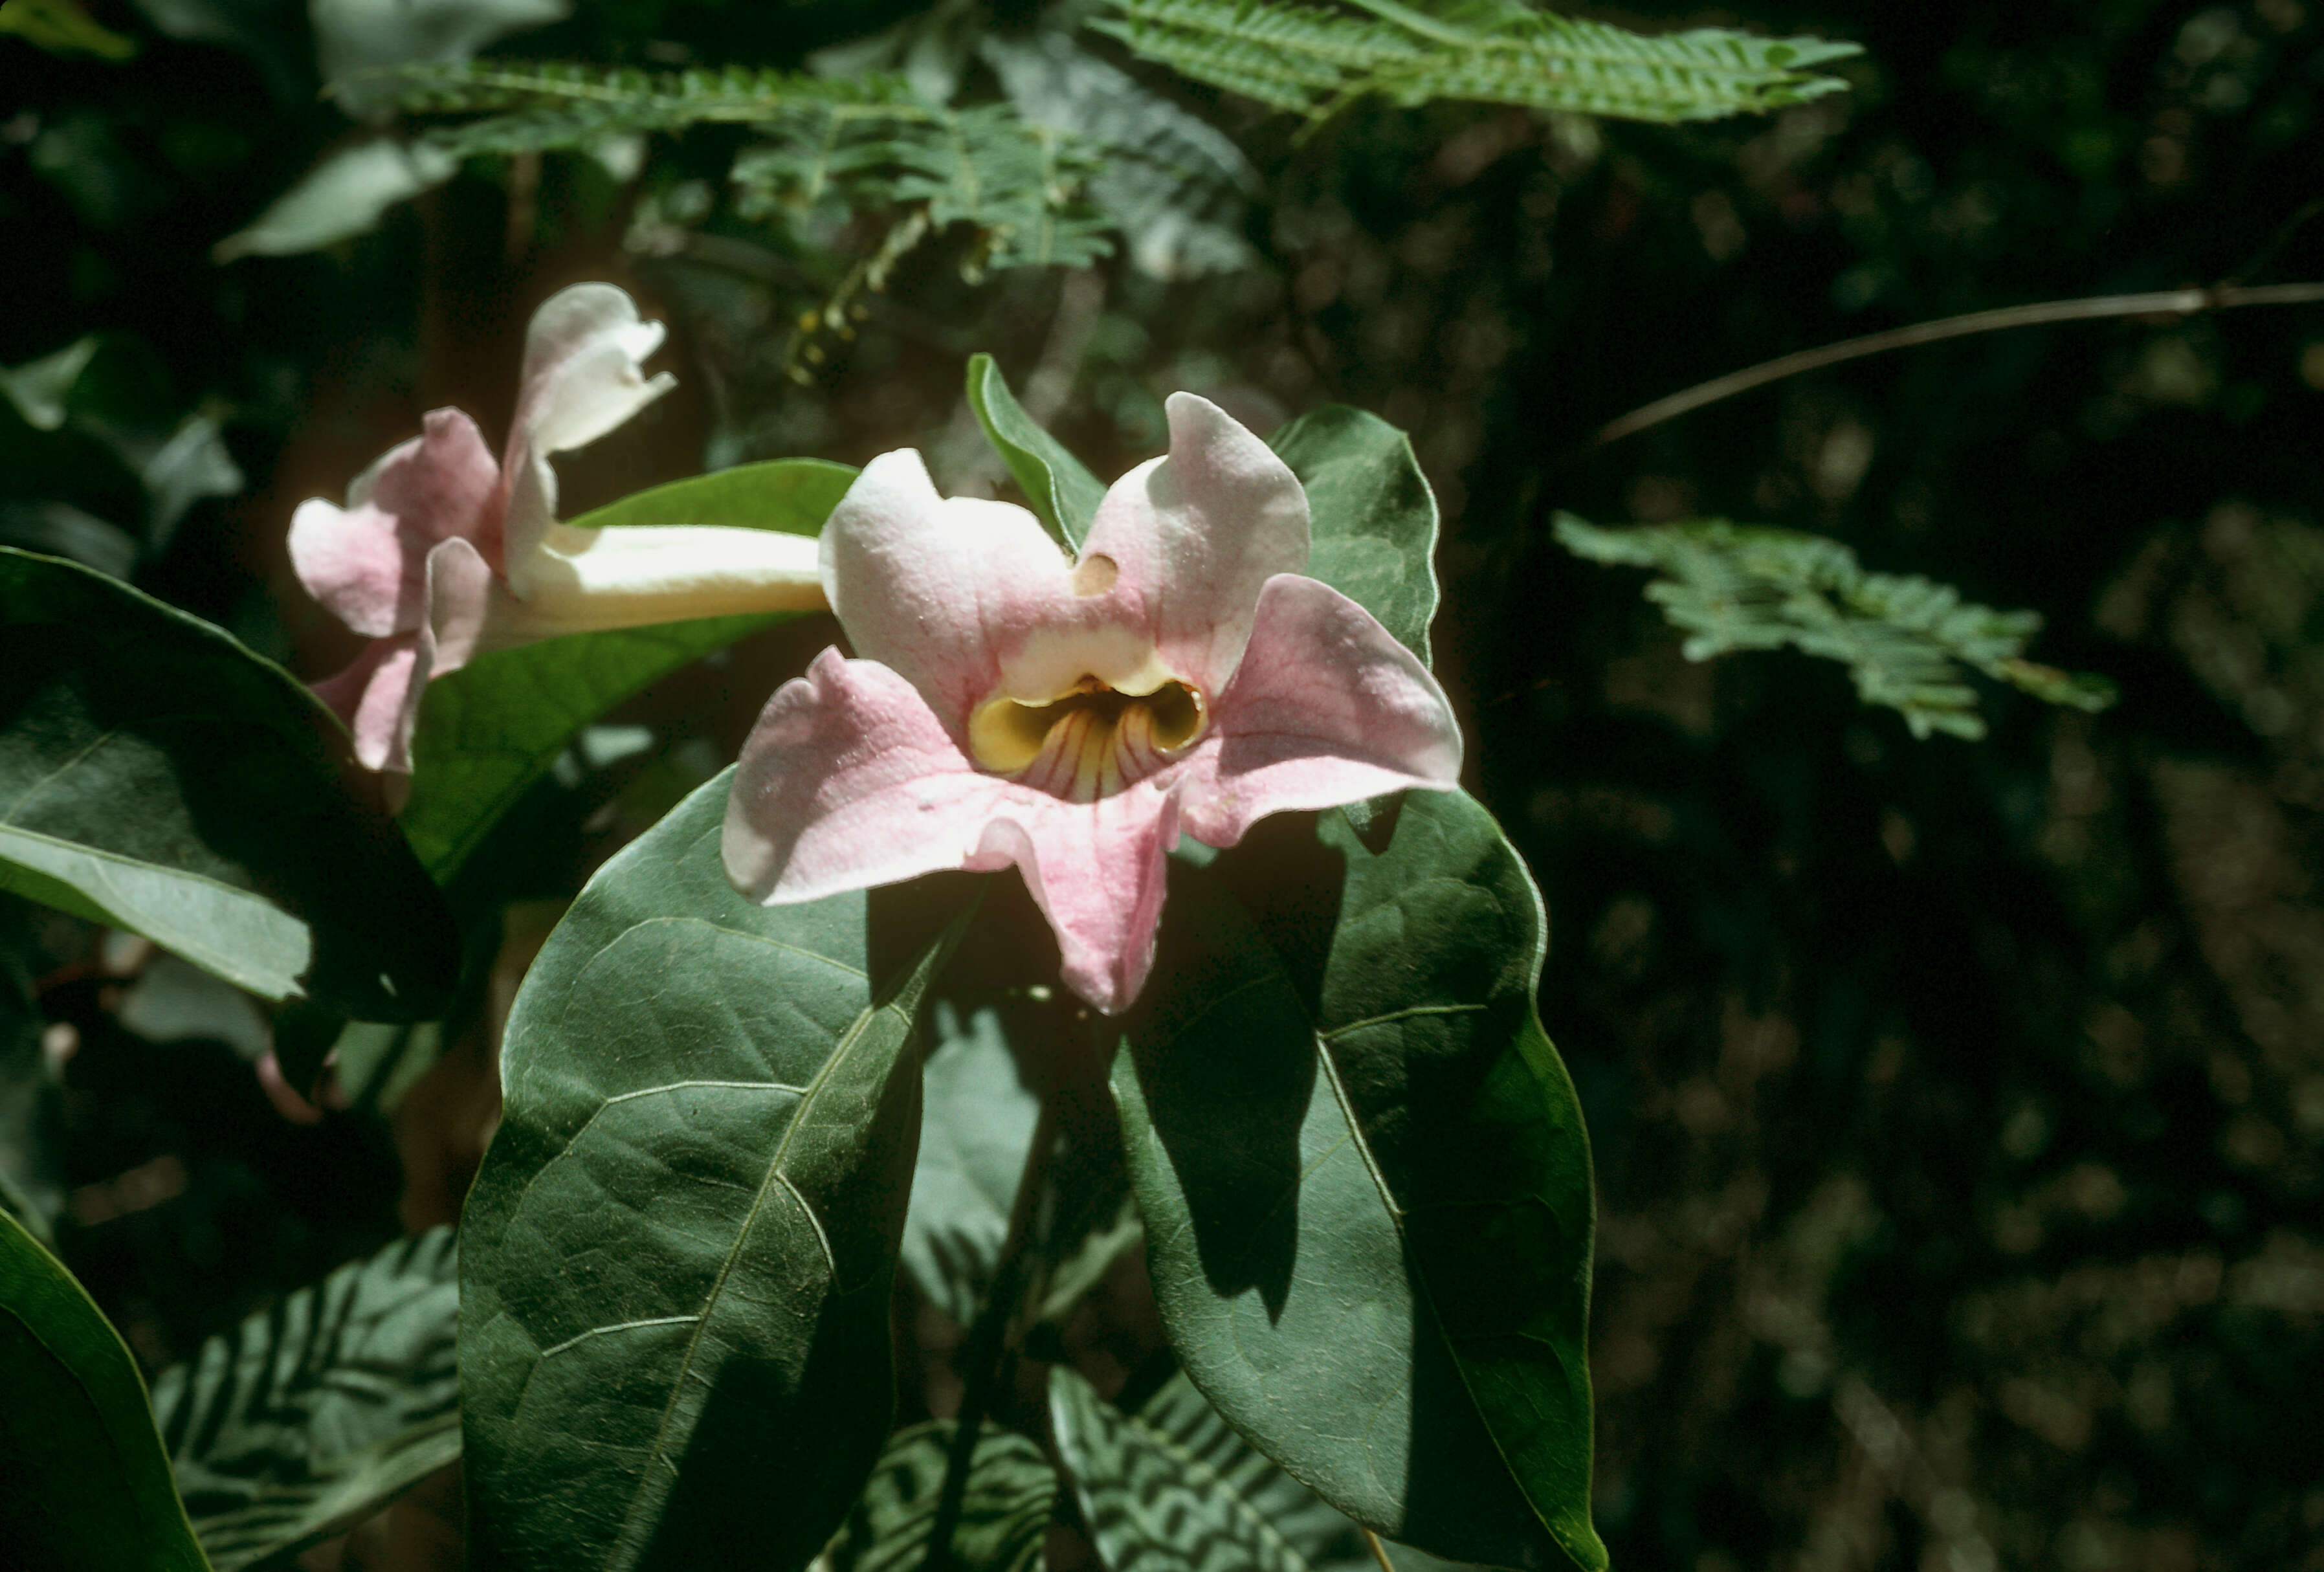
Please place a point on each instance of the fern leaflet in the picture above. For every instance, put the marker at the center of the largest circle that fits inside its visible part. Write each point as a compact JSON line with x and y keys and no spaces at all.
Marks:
{"x":857,"y":142}
{"x":1310,"y":59}
{"x":1904,"y":639}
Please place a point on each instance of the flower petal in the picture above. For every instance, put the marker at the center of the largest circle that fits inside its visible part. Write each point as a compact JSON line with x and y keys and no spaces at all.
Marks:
{"x":849,"y":780}
{"x":941,"y":590}
{"x":625,"y":577}
{"x":371,"y":696}
{"x":1097,"y":871}
{"x":582,"y":378}
{"x":379,"y":694}
{"x":1327,"y":709}
{"x":1195,"y":533}
{"x":365,"y":561}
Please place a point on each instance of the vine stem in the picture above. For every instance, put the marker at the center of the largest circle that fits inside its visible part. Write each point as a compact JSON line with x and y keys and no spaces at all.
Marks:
{"x":985,"y":1355}
{"x":2186,"y":302}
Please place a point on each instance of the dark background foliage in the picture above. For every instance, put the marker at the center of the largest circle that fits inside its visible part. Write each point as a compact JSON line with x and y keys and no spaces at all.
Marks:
{"x":1958,"y":1107}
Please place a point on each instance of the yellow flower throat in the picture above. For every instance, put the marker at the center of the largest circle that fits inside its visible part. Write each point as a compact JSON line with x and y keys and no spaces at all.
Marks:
{"x":1090,"y":741}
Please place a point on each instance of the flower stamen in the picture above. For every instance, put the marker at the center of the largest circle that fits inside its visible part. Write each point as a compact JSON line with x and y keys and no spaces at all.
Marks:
{"x":1090,"y":741}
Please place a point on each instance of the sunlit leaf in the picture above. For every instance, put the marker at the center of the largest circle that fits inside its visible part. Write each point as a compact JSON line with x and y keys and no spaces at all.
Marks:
{"x":677,"y":1260}
{"x":157,"y":776}
{"x":1058,"y":485}
{"x":1373,"y":517}
{"x":1365,"y":1181}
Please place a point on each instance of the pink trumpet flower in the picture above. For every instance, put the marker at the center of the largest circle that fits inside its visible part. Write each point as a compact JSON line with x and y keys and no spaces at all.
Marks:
{"x":1075,"y":717}
{"x":441,"y":553}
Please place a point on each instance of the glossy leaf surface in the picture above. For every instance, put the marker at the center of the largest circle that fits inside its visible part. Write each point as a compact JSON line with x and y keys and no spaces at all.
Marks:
{"x":675,"y":1261}
{"x":85,"y":1483}
{"x":1366,"y":1183}
{"x":1058,"y":487}
{"x":494,"y":727}
{"x":1004,"y":1514}
{"x":1372,"y":514}
{"x":313,"y":1414}
{"x":157,"y":776}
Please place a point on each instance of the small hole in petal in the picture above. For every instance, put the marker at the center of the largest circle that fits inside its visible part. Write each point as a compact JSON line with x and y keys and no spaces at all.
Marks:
{"x":1094,"y":576}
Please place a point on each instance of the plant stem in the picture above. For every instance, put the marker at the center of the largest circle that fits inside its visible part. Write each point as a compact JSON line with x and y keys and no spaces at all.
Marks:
{"x":983,"y":1357}
{"x":1379,"y":1551}
{"x":2158,"y":302}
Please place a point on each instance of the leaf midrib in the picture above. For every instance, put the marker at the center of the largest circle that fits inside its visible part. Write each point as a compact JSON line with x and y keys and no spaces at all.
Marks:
{"x":847,"y":1044}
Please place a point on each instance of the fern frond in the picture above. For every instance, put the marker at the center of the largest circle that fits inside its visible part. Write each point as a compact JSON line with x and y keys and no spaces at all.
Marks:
{"x":862,"y":142}
{"x":1019,"y":185}
{"x":1176,"y":185}
{"x":1904,"y":640}
{"x":1309,"y":58}
{"x":543,"y":107}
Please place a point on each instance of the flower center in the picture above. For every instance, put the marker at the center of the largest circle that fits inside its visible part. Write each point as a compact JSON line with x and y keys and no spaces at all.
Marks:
{"x":1090,"y":741}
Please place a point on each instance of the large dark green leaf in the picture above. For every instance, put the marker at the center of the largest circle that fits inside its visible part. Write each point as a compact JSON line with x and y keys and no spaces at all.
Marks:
{"x":312,"y":1415}
{"x":1366,"y":1183}
{"x":492,"y":728}
{"x":977,"y":1118}
{"x":676,"y":1261}
{"x":1059,"y":486}
{"x":157,"y":776}
{"x":1175,"y":1480}
{"x":83,"y":1483}
{"x":1004,"y":1514}
{"x":1373,"y":515}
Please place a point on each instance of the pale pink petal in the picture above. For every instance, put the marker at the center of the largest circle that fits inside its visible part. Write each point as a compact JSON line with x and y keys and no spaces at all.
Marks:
{"x":379,"y":694}
{"x":1195,"y":533}
{"x":940,"y":589}
{"x":287,"y":1101}
{"x":374,"y":695}
{"x":461,"y":594}
{"x":365,"y":561}
{"x":849,"y":780}
{"x":1096,"y":870}
{"x":1327,"y":709}
{"x":582,"y":378}
{"x":351,"y":560}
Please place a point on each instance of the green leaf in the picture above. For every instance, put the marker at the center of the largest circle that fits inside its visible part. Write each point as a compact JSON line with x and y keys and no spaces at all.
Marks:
{"x":1058,"y":485}
{"x":312,"y":1415}
{"x":87,"y":1486}
{"x":675,"y":1261}
{"x":1366,"y":1183}
{"x":491,"y":730}
{"x":1312,"y":58}
{"x":1175,"y":1480}
{"x":38,"y":389}
{"x":977,"y":1118}
{"x":157,"y":776}
{"x":1004,"y":1516}
{"x":63,"y":28}
{"x":1373,"y":515}
{"x":1904,"y":639}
